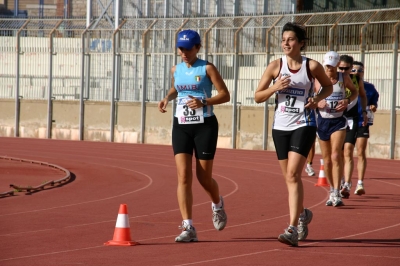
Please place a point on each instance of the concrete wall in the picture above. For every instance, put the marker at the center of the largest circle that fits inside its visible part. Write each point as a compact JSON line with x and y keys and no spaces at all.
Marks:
{"x":33,"y":124}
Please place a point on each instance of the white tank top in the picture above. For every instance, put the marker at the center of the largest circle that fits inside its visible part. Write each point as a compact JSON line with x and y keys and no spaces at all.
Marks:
{"x":290,"y":113}
{"x":332,"y":100}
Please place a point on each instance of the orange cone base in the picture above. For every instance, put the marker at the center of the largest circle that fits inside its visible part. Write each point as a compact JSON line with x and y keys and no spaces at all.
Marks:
{"x":322,"y":183}
{"x":121,"y":243}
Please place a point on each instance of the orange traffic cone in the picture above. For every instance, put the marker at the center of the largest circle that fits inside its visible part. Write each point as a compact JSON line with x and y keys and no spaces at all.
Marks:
{"x":122,"y":233}
{"x":321,"y":178}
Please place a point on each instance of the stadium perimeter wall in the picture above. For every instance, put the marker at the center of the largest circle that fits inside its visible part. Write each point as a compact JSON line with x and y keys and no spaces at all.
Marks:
{"x":33,"y":124}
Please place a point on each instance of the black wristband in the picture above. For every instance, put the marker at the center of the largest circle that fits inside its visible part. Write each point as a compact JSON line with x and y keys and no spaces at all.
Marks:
{"x":365,"y":111}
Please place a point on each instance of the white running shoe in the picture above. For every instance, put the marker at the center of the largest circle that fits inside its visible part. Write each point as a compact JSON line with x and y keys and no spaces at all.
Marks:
{"x":219,"y":216}
{"x":330,"y":200}
{"x":359,"y":190}
{"x":345,"y":191}
{"x":302,"y":228}
{"x":289,"y":237}
{"x":309,"y":170}
{"x":188,"y":234}
{"x":337,"y":201}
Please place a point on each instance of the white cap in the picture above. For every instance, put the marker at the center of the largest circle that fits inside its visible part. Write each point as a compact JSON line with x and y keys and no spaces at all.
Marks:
{"x":331,"y":58}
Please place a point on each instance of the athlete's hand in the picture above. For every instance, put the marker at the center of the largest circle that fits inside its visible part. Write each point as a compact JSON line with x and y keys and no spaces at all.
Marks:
{"x":282,"y":82}
{"x":365,"y":119}
{"x":162,"y":105}
{"x":312,"y":103}
{"x":194,"y":103}
{"x":342,"y":105}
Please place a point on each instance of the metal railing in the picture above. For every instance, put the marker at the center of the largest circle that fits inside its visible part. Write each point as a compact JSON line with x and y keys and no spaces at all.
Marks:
{"x":67,"y":60}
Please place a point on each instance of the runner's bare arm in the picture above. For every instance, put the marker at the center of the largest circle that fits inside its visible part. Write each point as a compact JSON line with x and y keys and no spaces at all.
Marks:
{"x":223,"y":95}
{"x":325,"y":89}
{"x":172,"y":94}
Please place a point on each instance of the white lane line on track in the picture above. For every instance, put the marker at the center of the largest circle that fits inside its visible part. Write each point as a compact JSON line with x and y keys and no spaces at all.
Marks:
{"x":308,"y":244}
{"x":50,"y":253}
{"x":90,"y":201}
{"x":218,"y":259}
{"x":172,"y":236}
{"x":131,"y":218}
{"x":377,"y":180}
{"x":249,"y":254}
{"x":224,"y":258}
{"x":343,"y":254}
{"x":147,"y":215}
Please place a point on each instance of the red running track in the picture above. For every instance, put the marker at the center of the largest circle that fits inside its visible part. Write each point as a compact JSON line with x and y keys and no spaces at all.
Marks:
{"x":67,"y":225}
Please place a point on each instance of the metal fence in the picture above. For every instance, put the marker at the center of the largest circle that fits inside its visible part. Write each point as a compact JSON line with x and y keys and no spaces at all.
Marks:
{"x":217,"y":8}
{"x":71,"y":59}
{"x":62,"y":59}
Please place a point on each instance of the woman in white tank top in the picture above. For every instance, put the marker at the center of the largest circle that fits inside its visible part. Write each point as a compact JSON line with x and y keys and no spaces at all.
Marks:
{"x":294,"y":122}
{"x":332,"y":124}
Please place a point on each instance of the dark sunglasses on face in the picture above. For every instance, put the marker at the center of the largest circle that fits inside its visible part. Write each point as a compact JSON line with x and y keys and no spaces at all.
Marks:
{"x":344,"y":68}
{"x":357,"y":70}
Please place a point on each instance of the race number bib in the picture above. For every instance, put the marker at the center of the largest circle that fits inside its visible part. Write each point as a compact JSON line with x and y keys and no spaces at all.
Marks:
{"x":186,"y":115}
{"x":291,"y":101}
{"x":331,"y":106}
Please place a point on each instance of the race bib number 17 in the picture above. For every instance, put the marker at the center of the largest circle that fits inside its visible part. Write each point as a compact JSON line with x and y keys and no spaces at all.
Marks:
{"x":186,"y":115}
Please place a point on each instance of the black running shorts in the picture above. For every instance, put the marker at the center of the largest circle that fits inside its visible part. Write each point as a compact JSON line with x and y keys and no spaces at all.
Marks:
{"x":299,"y":140}
{"x":202,"y":138}
{"x":363,"y":132}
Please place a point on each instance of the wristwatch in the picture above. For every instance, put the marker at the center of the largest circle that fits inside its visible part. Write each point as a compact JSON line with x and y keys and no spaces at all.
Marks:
{"x":204,"y":102}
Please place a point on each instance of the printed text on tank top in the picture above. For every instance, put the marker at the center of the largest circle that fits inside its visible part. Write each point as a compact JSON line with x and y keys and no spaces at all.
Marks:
{"x":290,"y":113}
{"x":291,"y":96}
{"x":192,"y":81}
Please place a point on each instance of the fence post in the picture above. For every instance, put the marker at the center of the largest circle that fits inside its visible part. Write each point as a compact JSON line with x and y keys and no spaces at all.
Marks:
{"x":50,"y":92}
{"x":115,"y":77}
{"x":17,"y":97}
{"x":394,"y":90}
{"x":363,"y":43}
{"x":81,"y":104}
{"x":235,"y":80}
{"x":266,"y":106}
{"x":144,"y":83}
{"x":331,"y":44}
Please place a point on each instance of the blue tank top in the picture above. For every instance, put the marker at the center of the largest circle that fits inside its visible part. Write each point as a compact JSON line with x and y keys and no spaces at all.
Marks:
{"x":194,"y":81}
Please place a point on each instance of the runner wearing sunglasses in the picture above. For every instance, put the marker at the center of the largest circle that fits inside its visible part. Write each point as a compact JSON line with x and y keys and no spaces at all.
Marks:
{"x":345,"y":67}
{"x":363,"y":131}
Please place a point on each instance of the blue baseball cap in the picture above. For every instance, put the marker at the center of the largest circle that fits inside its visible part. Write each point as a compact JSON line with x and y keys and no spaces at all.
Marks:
{"x":187,"y":39}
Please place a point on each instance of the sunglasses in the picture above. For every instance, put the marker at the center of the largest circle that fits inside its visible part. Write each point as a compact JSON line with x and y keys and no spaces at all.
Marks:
{"x":357,"y":70}
{"x":344,"y":68}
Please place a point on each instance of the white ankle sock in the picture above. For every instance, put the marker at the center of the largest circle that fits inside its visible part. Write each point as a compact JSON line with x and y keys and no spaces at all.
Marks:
{"x":218,"y":205}
{"x":360,"y":182}
{"x":188,"y":222}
